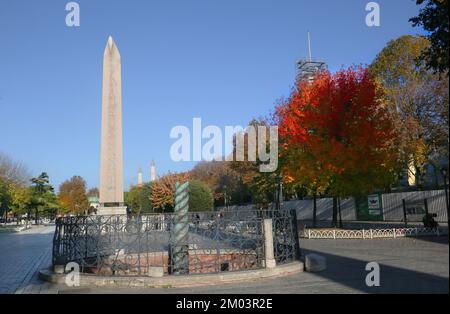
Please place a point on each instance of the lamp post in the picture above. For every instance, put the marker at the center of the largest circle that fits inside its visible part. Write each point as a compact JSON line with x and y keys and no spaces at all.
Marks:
{"x":445,"y":174}
{"x":225,"y":196}
{"x":279,"y":192}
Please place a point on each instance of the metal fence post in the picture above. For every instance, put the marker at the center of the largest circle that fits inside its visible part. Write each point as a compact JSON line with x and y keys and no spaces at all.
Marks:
{"x":295,"y":234}
{"x":393,"y":229}
{"x":404,"y":213}
{"x":371,"y":233}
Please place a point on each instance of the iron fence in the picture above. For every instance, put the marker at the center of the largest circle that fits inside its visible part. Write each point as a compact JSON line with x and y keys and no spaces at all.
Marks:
{"x":128,"y":245}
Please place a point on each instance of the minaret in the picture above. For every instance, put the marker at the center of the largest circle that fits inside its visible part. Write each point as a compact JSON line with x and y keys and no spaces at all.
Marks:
{"x":152,"y":172}
{"x":139,"y":183}
{"x":111,"y":171}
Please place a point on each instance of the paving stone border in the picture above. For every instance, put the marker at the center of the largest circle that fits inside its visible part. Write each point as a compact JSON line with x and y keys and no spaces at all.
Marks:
{"x":177,"y":281}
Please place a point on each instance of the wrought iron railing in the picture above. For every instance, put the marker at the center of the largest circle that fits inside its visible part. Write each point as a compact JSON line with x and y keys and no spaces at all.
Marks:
{"x":373,"y":233}
{"x":139,"y":245}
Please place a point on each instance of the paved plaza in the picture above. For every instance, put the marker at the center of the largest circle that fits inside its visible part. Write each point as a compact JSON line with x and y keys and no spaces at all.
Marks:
{"x":407,"y":265}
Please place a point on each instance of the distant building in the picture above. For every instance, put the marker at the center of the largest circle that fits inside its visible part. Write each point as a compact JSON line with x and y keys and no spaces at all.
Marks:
{"x":93,"y":202}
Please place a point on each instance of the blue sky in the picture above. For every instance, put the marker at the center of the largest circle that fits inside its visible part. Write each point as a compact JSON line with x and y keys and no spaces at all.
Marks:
{"x":225,"y":61}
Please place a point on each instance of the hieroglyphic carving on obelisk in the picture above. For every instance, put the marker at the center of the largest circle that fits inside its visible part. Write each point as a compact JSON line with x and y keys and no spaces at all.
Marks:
{"x":111,"y":168}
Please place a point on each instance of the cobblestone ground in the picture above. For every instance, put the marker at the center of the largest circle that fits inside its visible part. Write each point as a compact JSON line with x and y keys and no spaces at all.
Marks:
{"x":22,"y":255}
{"x":407,"y":265}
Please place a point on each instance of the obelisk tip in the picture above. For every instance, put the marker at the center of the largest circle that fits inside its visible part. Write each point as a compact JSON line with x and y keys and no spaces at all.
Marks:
{"x":110,"y":41}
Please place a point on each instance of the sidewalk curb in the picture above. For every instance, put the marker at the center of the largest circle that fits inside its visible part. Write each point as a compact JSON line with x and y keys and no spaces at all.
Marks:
{"x":177,"y":281}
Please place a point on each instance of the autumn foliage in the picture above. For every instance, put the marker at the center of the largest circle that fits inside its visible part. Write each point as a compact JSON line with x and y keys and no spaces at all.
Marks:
{"x":336,"y":136}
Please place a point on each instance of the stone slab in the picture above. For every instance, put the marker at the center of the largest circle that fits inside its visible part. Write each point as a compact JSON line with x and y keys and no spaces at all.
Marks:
{"x":119,"y":210}
{"x":315,"y":263}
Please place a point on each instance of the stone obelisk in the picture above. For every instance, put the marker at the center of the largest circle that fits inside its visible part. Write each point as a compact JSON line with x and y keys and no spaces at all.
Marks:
{"x":111,"y":169}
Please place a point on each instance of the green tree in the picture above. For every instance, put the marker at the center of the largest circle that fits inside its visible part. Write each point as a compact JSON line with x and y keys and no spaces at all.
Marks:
{"x":200,"y":197}
{"x":146,"y":203}
{"x":43,"y":198}
{"x":134,"y":200}
{"x":5,"y":198}
{"x":434,"y":19}
{"x":138,"y":199}
{"x":20,"y":199}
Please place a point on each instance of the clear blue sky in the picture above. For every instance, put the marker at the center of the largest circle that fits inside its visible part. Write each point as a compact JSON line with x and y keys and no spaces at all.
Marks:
{"x":225,"y":61}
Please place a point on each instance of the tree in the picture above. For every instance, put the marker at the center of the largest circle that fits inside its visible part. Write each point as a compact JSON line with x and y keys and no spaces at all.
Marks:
{"x":162,"y":194}
{"x":134,"y":199}
{"x":15,"y":194}
{"x":336,"y":135}
{"x":5,"y":197}
{"x":12,"y":171}
{"x":434,"y":19}
{"x":43,"y":198}
{"x":417,"y":101}
{"x":200,"y":197}
{"x":20,"y":199}
{"x":146,"y":203}
{"x":221,"y":179}
{"x":261,"y":185}
{"x":93,"y":192}
{"x":163,"y":191}
{"x":72,"y":195}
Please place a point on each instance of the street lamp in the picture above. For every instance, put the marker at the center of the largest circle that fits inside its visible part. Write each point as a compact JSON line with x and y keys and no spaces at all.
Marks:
{"x":279,"y":192}
{"x":225,"y":201}
{"x":445,"y":174}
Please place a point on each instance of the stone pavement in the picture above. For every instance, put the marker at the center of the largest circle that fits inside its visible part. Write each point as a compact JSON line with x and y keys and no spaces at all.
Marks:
{"x":21,"y":255}
{"x":407,"y":265}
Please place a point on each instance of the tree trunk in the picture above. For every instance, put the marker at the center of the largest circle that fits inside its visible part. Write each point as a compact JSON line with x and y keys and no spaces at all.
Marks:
{"x":334,"y":222}
{"x":340,"y":214}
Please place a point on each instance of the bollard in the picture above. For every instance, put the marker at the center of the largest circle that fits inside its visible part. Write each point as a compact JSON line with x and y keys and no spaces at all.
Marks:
{"x":268,"y":244}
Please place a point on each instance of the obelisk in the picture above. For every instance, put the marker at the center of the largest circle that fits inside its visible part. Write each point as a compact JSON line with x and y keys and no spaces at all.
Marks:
{"x":111,"y":168}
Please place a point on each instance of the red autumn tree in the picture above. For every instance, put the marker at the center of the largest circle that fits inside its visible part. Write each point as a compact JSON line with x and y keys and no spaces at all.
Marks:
{"x":336,"y":136}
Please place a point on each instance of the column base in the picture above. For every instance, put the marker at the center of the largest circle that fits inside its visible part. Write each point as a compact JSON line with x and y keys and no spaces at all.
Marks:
{"x":116,"y":210}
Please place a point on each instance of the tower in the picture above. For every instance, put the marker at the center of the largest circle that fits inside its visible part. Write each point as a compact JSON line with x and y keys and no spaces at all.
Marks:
{"x":152,"y":172}
{"x":307,"y":68}
{"x":139,"y":178}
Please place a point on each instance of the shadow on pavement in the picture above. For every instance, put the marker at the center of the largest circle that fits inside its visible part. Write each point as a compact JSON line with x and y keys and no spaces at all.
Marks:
{"x":351,"y":273}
